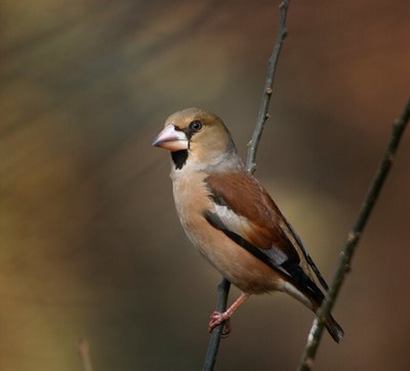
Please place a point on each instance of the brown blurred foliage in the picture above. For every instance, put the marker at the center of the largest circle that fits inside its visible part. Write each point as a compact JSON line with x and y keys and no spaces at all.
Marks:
{"x":89,"y":241}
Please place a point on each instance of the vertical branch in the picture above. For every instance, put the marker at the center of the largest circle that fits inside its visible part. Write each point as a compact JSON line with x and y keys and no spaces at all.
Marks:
{"x":215,"y":338}
{"x":224,"y":285}
{"x":263,"y":114}
{"x":84,"y":350}
{"x":353,"y":239}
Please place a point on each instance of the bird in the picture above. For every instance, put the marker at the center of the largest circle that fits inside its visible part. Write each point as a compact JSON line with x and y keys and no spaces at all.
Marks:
{"x":231,"y":219}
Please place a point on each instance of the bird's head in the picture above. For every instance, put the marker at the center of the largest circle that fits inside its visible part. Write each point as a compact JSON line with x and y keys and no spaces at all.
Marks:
{"x":196,"y":136}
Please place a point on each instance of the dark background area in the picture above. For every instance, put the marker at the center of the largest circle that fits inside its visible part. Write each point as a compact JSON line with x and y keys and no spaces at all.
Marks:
{"x":90,"y":245}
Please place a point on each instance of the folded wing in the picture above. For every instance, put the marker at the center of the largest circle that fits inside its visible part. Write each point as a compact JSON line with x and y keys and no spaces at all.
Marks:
{"x":245,"y":212}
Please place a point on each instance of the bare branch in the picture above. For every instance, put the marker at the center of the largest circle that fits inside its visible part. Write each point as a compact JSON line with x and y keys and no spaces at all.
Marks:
{"x":224,"y":285}
{"x":263,"y":114}
{"x":215,"y":338}
{"x":353,"y":239}
{"x":84,"y":350}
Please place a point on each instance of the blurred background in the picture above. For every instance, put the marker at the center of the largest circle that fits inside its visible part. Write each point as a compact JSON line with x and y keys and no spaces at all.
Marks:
{"x":90,"y":245}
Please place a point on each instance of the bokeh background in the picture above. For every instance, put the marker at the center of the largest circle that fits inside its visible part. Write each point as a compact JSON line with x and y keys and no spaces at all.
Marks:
{"x":90,"y":245}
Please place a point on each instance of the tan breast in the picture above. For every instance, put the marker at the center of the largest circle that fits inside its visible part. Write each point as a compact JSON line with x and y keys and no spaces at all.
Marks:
{"x":241,"y":268}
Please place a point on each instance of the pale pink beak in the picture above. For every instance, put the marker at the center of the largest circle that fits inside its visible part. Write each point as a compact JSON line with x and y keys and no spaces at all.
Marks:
{"x":171,"y":139}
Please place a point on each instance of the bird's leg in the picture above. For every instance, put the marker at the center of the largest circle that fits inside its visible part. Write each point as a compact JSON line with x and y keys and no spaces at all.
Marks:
{"x":217,"y":318}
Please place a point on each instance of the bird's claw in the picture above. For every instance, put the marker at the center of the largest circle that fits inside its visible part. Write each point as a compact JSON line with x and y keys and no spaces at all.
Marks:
{"x":217,"y":318}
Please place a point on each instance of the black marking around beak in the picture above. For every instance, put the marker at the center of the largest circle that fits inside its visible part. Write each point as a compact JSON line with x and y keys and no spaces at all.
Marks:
{"x":189,"y":133}
{"x":179,"y":158}
{"x":188,"y":136}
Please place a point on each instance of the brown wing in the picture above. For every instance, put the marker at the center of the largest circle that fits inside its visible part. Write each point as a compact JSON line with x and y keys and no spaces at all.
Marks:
{"x":255,"y":217}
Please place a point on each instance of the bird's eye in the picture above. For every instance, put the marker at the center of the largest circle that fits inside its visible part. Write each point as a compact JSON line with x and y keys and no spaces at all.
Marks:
{"x":195,"y":125}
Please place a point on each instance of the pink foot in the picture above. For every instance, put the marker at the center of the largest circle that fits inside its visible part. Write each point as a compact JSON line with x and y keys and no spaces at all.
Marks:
{"x":218,"y":318}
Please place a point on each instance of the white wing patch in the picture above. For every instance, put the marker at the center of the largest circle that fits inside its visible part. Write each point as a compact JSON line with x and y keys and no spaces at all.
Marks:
{"x":231,"y":220}
{"x":239,"y":225}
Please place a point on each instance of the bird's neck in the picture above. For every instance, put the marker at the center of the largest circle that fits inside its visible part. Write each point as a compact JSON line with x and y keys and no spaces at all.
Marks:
{"x":184,"y":163}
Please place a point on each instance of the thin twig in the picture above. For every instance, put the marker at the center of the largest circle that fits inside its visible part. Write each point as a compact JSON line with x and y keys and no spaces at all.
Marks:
{"x":353,"y":239}
{"x":263,"y":114}
{"x":224,"y":285}
{"x":84,"y":350}
{"x":215,"y":338}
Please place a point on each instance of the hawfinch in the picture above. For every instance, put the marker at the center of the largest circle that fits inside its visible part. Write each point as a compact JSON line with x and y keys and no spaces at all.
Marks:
{"x":232,"y":220}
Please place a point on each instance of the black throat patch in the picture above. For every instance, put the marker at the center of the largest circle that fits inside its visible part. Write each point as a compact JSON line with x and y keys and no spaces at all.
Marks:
{"x":179,"y":158}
